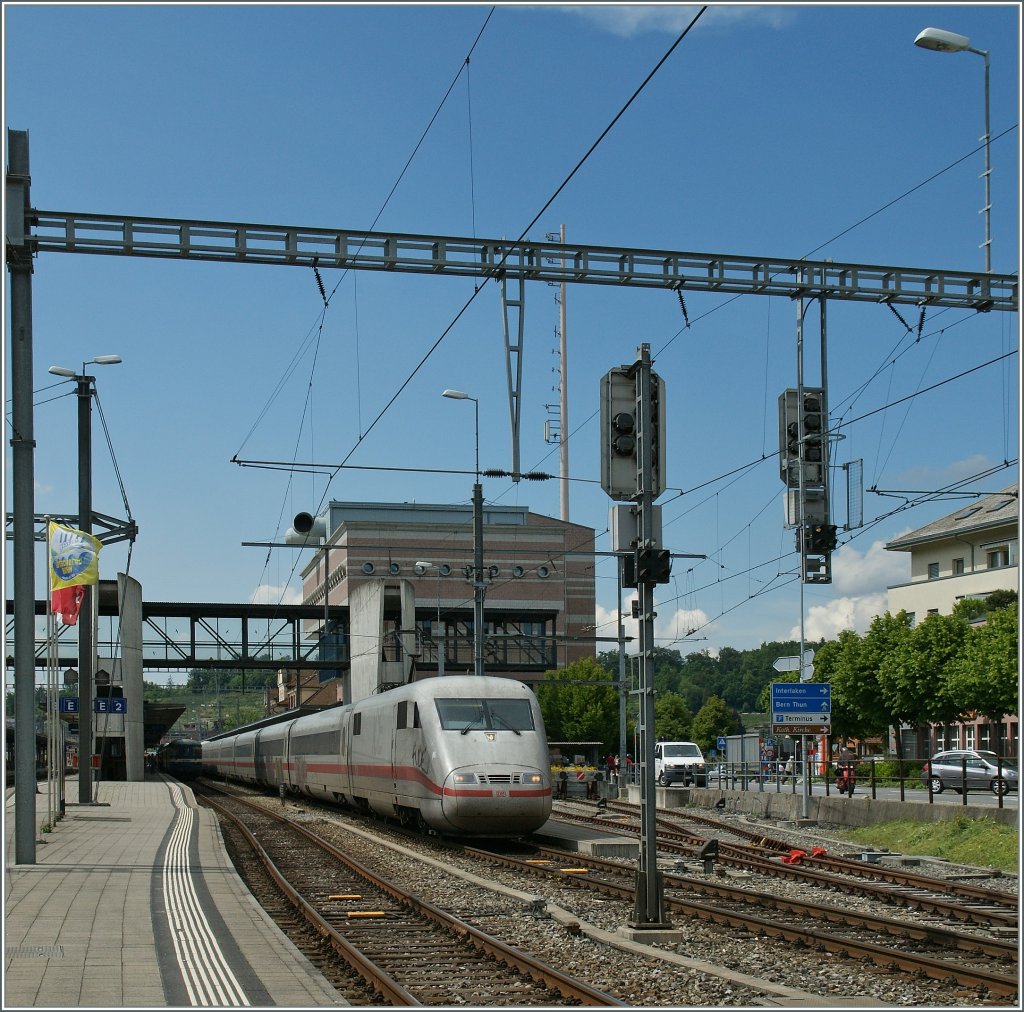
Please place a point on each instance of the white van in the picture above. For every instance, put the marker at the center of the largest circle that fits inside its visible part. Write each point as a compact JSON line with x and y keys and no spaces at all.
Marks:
{"x":680,"y":762}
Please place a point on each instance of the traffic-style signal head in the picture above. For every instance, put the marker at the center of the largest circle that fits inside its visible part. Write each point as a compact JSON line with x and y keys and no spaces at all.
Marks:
{"x":653,"y":565}
{"x":820,"y":538}
{"x":813,"y":444}
{"x":623,"y":433}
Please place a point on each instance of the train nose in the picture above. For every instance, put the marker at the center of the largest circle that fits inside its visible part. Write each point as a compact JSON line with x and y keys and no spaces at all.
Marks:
{"x":495,"y":798}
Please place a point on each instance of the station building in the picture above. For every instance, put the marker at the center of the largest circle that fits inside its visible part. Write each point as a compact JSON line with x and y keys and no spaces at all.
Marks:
{"x":403,"y":575}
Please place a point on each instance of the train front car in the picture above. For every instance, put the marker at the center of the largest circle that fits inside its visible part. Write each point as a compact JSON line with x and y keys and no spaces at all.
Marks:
{"x":489,"y":755}
{"x":181,"y":758}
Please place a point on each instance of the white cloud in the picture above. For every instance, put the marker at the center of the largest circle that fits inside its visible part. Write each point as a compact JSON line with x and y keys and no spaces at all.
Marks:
{"x":827,"y":621}
{"x":267,"y":593}
{"x":869,"y":572}
{"x":670,"y":628}
{"x":630,"y":20}
{"x":958,"y":470}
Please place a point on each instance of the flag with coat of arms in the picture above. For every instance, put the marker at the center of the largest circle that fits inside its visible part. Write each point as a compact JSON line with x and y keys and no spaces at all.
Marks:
{"x":73,"y":558}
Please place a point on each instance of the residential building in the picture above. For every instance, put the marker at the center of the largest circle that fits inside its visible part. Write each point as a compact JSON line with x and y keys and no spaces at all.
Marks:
{"x":966,"y":554}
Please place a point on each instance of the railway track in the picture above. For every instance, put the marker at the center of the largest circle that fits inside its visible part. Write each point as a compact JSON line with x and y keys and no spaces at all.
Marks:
{"x":957,"y":902}
{"x":409,"y":952}
{"x":974,"y":962}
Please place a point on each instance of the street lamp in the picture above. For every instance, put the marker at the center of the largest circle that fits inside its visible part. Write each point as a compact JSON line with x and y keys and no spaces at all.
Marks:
{"x":940,"y":41}
{"x":86,"y":647}
{"x":479,"y":587}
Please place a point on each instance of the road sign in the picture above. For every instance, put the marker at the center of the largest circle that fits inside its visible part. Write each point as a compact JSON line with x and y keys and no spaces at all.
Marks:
{"x":69,"y":704}
{"x":791,"y":662}
{"x":801,"y":707}
{"x":721,"y":743}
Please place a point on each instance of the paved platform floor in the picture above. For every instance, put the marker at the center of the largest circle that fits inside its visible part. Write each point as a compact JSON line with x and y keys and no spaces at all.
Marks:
{"x":133,"y":902}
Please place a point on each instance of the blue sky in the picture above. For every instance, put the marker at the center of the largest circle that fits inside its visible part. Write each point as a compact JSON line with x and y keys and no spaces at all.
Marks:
{"x":769,"y":131}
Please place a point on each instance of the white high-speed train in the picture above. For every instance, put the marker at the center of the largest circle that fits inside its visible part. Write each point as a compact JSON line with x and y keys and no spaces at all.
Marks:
{"x":457,"y":754}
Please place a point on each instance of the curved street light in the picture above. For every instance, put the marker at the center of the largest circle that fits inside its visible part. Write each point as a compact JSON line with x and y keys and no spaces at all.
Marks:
{"x":86,"y":644}
{"x":938,"y":40}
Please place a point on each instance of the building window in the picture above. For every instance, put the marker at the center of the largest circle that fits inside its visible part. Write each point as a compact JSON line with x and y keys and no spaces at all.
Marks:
{"x":958,"y":567}
{"x":999,"y":558}
{"x":911,"y":619}
{"x":969,"y":730}
{"x":933,"y":570}
{"x":933,"y":611}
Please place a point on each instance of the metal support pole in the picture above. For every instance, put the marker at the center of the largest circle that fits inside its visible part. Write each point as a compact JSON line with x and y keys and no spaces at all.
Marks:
{"x":988,"y":170}
{"x":649,"y":908}
{"x":478,"y":578}
{"x":19,"y":266}
{"x":802,"y":535}
{"x":623,"y":744}
{"x":563,"y":399}
{"x":441,"y":631}
{"x":86,"y":647}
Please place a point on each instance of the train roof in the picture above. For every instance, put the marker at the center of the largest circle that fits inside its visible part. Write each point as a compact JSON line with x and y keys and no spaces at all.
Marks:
{"x":277,"y":718}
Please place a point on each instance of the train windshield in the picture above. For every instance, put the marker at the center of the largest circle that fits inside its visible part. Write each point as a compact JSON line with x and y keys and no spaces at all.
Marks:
{"x":485,"y":714}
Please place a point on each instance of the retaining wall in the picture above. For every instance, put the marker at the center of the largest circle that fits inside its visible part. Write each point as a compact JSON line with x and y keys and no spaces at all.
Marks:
{"x":837,"y":810}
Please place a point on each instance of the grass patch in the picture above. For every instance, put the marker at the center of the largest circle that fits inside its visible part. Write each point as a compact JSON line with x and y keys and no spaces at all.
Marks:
{"x":978,"y":842}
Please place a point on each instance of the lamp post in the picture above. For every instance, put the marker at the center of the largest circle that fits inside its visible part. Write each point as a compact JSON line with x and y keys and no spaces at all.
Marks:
{"x":478,"y":542}
{"x":86,"y":646}
{"x":940,"y":41}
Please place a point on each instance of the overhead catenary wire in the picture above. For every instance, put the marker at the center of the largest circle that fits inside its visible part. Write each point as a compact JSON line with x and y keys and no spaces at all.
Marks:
{"x":461,"y":312}
{"x":920,"y":322}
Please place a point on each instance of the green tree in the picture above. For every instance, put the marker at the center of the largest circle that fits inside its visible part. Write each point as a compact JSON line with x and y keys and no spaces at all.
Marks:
{"x":672,"y":720}
{"x":713,"y":718}
{"x":914,"y":674}
{"x":885,"y":636}
{"x":1000,"y":599}
{"x":858,"y":707}
{"x":983,"y":676}
{"x":580,"y":703}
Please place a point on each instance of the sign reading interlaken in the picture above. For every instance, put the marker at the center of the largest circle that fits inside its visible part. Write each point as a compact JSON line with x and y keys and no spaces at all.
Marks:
{"x":801,"y":707}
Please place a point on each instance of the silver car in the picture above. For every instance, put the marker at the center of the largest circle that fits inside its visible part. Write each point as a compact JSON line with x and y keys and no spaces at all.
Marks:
{"x":983,"y":771}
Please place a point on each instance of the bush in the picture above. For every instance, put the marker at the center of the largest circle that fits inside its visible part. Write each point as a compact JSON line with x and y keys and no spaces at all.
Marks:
{"x":891,"y":770}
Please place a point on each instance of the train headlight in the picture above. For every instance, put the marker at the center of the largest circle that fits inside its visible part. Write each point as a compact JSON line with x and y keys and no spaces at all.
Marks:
{"x":533,"y":778}
{"x":464,"y":778}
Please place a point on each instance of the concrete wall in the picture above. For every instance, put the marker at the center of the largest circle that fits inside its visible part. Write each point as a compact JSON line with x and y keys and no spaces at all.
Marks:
{"x":130,"y":595}
{"x":837,"y":810}
{"x":366,"y":616}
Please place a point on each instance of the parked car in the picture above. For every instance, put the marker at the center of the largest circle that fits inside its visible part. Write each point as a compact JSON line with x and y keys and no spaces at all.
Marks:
{"x":984,"y":771}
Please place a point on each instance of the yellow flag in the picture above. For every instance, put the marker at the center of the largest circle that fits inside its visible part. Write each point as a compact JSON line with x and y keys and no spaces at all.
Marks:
{"x":74,"y":557}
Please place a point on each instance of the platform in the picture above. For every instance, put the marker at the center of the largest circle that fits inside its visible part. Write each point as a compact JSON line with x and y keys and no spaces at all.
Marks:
{"x":587,"y":839}
{"x":133,"y":902}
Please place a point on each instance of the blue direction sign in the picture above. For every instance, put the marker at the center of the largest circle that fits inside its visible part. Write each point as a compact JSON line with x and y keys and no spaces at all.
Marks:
{"x":115,"y":704}
{"x":69,"y":704}
{"x":802,"y":707}
{"x":721,"y":743}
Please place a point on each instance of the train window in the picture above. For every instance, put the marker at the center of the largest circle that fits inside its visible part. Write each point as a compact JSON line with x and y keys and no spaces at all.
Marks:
{"x":402,"y":718}
{"x":415,"y":714}
{"x":491,"y":714}
{"x":357,"y":723}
